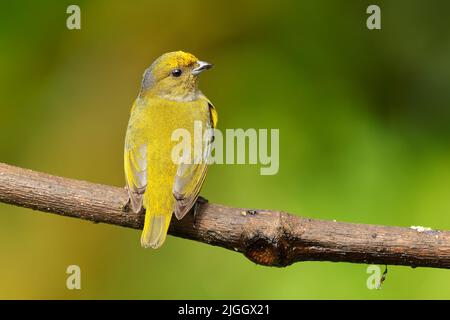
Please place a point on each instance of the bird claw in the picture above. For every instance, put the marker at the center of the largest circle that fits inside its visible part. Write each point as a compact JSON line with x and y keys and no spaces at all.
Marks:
{"x":127,"y":205}
{"x":200,"y":201}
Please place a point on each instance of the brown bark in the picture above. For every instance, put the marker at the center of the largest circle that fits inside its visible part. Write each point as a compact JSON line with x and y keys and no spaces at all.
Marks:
{"x":270,"y":238}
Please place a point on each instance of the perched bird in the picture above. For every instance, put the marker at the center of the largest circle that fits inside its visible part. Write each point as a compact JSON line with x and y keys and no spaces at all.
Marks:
{"x":169,"y":99}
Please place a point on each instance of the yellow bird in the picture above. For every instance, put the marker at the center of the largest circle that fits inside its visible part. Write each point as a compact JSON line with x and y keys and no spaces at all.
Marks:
{"x":169,"y":99}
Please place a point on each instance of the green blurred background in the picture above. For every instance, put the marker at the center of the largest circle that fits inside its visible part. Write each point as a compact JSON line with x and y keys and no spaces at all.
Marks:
{"x":364,"y":136}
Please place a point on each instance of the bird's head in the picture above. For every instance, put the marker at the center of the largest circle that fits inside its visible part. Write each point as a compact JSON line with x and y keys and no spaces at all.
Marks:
{"x":174,"y":76}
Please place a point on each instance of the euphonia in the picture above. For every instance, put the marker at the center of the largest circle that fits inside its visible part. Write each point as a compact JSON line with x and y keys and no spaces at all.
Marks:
{"x":169,"y":99}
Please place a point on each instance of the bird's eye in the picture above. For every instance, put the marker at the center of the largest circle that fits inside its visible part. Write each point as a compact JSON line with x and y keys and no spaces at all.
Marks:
{"x":176,"y":72}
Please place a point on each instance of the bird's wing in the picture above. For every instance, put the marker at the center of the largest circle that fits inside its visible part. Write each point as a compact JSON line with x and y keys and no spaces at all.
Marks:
{"x":135,"y":164}
{"x":190,"y":177}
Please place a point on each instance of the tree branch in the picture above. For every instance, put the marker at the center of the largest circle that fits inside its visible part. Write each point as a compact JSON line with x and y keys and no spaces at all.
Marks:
{"x":270,"y":238}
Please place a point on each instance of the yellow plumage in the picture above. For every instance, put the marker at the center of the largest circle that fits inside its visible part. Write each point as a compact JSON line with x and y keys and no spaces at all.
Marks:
{"x":167,"y":102}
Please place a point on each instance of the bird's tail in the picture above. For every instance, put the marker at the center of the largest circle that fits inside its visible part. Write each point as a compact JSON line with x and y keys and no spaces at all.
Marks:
{"x":155,"y":229}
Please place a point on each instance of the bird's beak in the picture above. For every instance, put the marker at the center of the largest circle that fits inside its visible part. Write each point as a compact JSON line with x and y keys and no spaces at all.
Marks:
{"x":202,"y":66}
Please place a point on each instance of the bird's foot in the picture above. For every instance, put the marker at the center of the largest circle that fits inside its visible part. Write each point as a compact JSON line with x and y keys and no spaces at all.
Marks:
{"x":200,"y":201}
{"x":126,"y":207}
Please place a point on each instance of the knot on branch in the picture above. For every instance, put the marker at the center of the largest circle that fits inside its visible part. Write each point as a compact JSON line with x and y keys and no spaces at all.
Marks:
{"x":268,"y":246}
